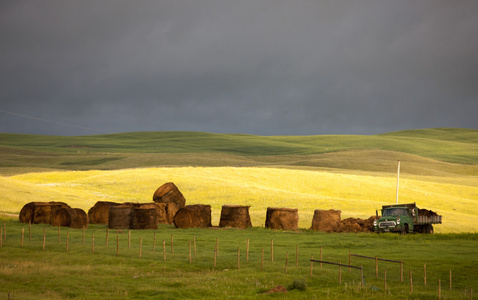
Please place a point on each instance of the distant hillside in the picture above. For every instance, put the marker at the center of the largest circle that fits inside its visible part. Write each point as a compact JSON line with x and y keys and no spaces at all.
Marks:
{"x":142,"y":149}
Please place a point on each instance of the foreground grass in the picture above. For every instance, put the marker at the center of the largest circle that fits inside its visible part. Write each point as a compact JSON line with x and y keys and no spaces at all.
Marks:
{"x":29,"y":272}
{"x":356,"y":194}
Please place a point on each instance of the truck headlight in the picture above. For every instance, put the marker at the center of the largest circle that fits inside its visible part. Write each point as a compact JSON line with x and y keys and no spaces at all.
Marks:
{"x":375,"y":223}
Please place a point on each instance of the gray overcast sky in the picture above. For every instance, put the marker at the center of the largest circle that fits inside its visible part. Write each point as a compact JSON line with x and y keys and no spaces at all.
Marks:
{"x":266,"y":67}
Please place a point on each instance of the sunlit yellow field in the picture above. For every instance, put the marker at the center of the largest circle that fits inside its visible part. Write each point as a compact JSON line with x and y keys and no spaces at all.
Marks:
{"x":356,"y":194}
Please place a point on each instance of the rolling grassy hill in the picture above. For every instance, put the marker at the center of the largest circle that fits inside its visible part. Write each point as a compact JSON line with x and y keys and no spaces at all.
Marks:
{"x":195,"y":148}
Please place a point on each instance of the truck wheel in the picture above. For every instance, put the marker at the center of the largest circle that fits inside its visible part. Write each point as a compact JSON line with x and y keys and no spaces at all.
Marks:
{"x":405,"y":229}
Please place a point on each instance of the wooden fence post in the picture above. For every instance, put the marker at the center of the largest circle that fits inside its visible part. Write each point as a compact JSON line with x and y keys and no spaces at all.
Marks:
{"x":129,"y":239}
{"x":425,"y":274}
{"x":215,"y":256}
{"x":247,"y":250}
{"x":286,"y":261}
{"x":311,"y":264}
{"x":262,"y":259}
{"x":376,"y":267}
{"x":164,"y":250}
{"x":340,"y":273}
{"x":361,"y":274}
{"x":450,"y":280}
{"x":238,"y":256}
{"x":439,"y":289}
{"x":411,"y":282}
{"x":401,"y":271}
{"x":272,"y":250}
{"x":140,"y":246}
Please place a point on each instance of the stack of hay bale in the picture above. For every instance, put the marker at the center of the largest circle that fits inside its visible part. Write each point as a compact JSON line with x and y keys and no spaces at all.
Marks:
{"x":53,"y":213}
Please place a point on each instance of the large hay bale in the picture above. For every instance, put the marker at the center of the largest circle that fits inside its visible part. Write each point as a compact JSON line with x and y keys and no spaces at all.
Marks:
{"x":160,"y":211}
{"x":98,"y":214}
{"x":235,"y":216}
{"x":325,"y":220}
{"x":192,"y":216}
{"x":69,"y":217}
{"x":144,"y":218}
{"x":282,"y":218}
{"x":43,"y":213}
{"x":168,"y":193}
{"x":81,"y":219}
{"x":27,"y":211}
{"x":120,"y":217}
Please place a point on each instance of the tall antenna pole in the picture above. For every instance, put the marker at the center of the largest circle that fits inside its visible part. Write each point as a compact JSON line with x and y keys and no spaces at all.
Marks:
{"x":398,"y":178}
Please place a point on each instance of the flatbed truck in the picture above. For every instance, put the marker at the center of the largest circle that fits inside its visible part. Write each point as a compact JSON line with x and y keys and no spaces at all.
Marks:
{"x":406,"y":218}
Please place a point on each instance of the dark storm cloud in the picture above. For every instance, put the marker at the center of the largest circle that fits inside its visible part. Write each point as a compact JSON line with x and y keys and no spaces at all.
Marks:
{"x":260,"y":67}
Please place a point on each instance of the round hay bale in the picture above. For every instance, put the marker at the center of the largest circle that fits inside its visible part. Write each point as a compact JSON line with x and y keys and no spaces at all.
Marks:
{"x":43,"y":212}
{"x":120,"y":217}
{"x":168,"y":193}
{"x":62,"y":217}
{"x":144,"y":218}
{"x":98,"y":214}
{"x":325,"y":220}
{"x":69,"y":217}
{"x":192,"y":216}
{"x":160,"y":210}
{"x":27,"y":211}
{"x":43,"y":215}
{"x":282,"y":218}
{"x":235,"y":216}
{"x":81,"y":219}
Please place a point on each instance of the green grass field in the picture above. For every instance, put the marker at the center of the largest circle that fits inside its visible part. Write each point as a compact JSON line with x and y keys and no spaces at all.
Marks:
{"x":356,"y":174}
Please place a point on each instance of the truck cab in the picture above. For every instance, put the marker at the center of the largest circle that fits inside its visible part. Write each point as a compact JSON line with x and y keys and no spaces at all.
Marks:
{"x":395,"y":218}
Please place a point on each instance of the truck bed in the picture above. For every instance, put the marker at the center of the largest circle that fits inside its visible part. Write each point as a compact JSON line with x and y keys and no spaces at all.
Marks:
{"x":421,"y":220}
